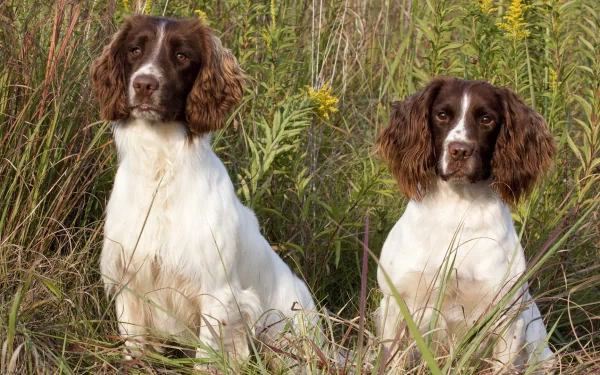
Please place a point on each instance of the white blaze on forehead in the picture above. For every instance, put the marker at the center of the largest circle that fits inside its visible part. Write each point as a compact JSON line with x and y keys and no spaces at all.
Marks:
{"x":458,"y":132}
{"x":150,"y":67}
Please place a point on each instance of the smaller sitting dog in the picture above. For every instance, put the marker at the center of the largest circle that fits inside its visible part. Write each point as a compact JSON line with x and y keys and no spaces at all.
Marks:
{"x":182,"y":255}
{"x":463,"y":152}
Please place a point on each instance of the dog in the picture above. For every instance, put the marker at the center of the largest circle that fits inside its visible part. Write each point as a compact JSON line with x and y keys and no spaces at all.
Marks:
{"x":182,"y":256}
{"x":463,"y":152}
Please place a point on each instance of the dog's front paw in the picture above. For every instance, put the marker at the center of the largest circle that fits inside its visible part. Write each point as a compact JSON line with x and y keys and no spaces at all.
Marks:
{"x":547,"y":367}
{"x":499,"y":368}
{"x":207,"y":368}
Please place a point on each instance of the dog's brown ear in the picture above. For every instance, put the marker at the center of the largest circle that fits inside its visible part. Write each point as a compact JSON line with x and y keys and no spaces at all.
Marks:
{"x":108,"y":75}
{"x":524,"y":150}
{"x":218,"y":88}
{"x":406,"y":145}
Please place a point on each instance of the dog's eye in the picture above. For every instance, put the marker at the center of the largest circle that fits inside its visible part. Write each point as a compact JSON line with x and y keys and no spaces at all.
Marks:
{"x":486,"y":120}
{"x":442,"y":116}
{"x":180,"y":56}
{"x":136,"y":51}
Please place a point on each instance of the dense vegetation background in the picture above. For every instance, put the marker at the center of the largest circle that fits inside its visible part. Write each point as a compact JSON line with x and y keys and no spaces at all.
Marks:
{"x":300,"y":151}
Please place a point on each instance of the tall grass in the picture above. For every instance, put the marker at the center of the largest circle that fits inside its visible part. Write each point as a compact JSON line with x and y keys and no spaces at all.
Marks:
{"x":310,"y":173}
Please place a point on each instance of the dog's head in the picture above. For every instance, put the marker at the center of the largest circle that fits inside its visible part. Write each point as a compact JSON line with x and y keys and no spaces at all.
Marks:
{"x":464,"y":132}
{"x":162,"y":69}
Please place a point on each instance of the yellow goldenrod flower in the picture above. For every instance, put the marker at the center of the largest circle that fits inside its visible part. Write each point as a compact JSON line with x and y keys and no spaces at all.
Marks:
{"x":267,"y":38}
{"x":324,"y":100}
{"x":202,"y":16}
{"x":126,"y":5}
{"x":486,"y":6}
{"x":148,"y":7}
{"x":514,"y":22}
{"x":267,"y":33}
{"x":553,"y":79}
{"x":273,"y":12}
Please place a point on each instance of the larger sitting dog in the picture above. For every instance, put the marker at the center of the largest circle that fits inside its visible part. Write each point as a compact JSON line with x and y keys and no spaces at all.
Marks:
{"x":181,"y":254}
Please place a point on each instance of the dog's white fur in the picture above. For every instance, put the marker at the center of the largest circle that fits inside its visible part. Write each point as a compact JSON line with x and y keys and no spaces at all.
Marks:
{"x":177,"y":234}
{"x":468,"y":227}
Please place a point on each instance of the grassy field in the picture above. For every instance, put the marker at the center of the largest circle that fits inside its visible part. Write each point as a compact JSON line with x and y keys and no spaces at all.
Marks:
{"x":300,"y":151}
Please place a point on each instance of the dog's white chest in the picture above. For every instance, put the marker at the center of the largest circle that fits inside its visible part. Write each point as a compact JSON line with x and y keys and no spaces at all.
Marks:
{"x":143,"y":200}
{"x":167,"y":199}
{"x":464,"y":248}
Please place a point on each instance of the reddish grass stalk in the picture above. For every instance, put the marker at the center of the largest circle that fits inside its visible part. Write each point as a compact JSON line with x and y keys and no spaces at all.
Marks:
{"x":363,"y":288}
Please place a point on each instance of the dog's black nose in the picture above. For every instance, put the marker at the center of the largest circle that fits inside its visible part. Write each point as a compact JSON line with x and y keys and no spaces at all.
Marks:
{"x":460,"y":150}
{"x":145,"y":84}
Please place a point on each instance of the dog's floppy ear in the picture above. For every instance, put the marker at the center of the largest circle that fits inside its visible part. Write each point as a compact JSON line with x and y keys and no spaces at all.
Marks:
{"x":218,"y":88}
{"x":108,"y":75}
{"x":406,"y":145}
{"x":524,"y":149}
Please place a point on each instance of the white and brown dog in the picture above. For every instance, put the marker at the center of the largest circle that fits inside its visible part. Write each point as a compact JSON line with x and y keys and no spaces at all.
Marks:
{"x":463,"y":151}
{"x":182,"y":255}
